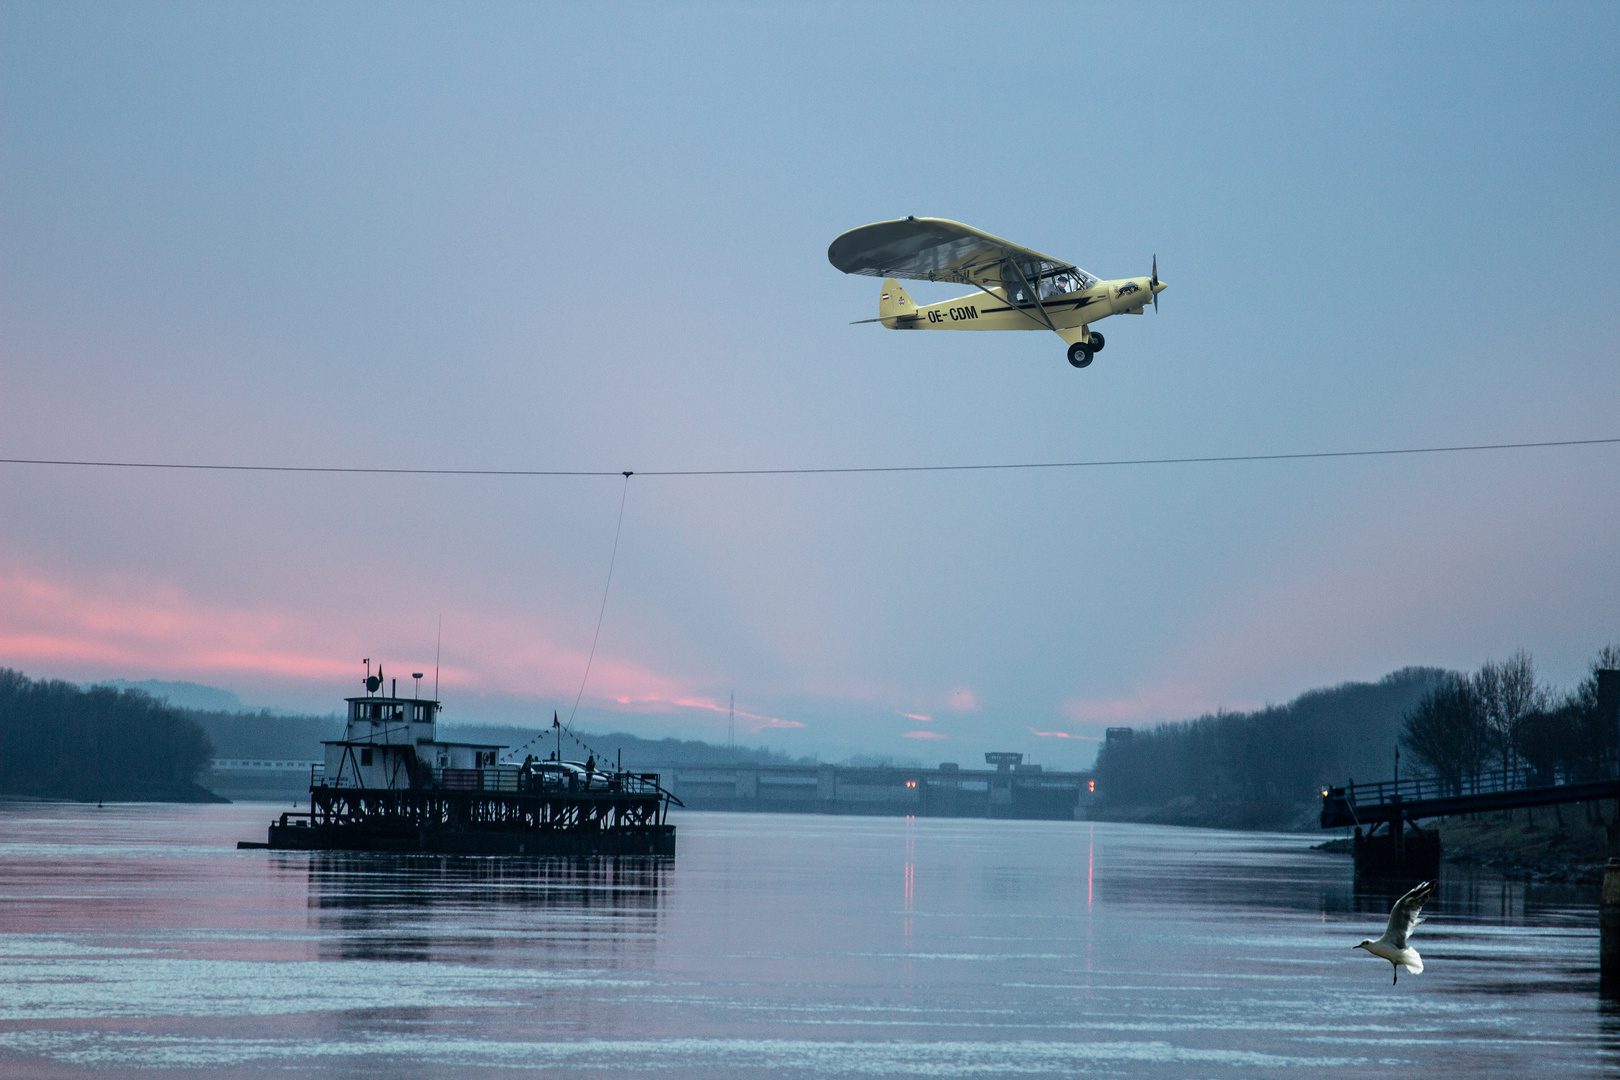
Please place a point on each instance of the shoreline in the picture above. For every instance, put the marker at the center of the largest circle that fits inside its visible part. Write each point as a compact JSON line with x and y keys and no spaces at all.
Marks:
{"x":1570,"y":844}
{"x":195,"y":795}
{"x":1537,"y":849}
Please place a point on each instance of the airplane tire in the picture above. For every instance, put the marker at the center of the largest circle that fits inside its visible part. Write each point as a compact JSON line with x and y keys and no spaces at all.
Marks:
{"x":1096,"y":343}
{"x":1079,"y":355}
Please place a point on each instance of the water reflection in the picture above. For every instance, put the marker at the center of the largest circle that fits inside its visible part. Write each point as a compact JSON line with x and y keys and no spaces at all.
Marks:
{"x":1480,"y":894}
{"x":466,"y":909}
{"x":780,"y":945}
{"x":349,"y":880}
{"x":1237,"y":872}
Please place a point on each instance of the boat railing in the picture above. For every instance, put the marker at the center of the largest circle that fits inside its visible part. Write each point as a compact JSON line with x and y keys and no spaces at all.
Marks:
{"x":513,"y":779}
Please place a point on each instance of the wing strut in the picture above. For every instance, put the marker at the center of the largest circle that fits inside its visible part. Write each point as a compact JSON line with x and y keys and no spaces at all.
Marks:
{"x":1034,"y":293}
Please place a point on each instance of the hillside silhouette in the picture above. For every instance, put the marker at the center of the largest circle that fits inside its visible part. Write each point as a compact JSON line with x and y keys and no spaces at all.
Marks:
{"x":58,"y":741}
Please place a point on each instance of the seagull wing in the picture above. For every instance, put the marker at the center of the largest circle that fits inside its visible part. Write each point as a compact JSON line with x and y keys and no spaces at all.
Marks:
{"x":1403,"y":917}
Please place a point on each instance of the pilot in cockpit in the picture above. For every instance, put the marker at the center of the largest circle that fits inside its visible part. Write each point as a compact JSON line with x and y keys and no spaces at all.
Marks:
{"x":1072,"y":281}
{"x":1057,"y":285}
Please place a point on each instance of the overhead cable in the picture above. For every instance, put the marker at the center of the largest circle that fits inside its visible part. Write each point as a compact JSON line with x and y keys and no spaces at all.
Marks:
{"x":813,"y":471}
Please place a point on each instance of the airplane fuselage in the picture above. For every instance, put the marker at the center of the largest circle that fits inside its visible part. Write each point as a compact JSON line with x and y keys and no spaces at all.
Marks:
{"x":1070,"y":313}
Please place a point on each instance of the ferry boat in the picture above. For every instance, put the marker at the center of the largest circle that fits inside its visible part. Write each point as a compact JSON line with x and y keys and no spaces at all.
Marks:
{"x":390,"y":784}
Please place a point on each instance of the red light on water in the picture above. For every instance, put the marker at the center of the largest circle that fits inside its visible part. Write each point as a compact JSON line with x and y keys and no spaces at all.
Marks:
{"x":1091,"y":786}
{"x":911,"y":783}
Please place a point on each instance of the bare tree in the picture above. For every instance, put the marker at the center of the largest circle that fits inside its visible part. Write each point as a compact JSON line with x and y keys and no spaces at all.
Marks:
{"x":1488,"y":689}
{"x":1568,"y":733}
{"x":1548,"y":738}
{"x":1596,"y":737}
{"x":1507,"y":694}
{"x":1448,"y":732}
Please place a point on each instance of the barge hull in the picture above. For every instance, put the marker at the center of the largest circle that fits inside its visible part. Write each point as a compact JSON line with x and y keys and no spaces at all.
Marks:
{"x":639,"y":840}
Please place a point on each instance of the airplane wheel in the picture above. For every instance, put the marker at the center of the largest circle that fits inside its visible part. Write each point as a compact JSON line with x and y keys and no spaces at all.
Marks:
{"x":1096,"y":343}
{"x":1079,"y":355}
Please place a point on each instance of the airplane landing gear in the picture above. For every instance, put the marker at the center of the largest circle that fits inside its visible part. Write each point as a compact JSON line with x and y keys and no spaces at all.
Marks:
{"x":1096,"y":343}
{"x":1079,"y":355}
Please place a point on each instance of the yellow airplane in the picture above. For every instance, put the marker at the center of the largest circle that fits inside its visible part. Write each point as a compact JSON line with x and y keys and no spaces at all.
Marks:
{"x":1019,"y":289}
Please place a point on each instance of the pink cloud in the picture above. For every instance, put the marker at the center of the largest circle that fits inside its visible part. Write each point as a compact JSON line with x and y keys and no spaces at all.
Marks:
{"x":1171,"y":701}
{"x":655,"y":703}
{"x":924,"y":735}
{"x":117,"y":626}
{"x":919,"y":717}
{"x":155,"y":629}
{"x":1063,"y":735}
{"x":518,"y":657}
{"x":963,"y":699}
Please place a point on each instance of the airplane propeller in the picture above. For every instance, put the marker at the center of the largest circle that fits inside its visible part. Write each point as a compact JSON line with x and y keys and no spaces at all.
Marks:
{"x":1153,"y":285}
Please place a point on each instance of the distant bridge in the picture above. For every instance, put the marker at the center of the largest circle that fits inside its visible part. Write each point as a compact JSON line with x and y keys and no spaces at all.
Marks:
{"x":1011,"y":790}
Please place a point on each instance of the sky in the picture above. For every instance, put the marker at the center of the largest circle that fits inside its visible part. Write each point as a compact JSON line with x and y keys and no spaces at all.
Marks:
{"x":568,"y":237}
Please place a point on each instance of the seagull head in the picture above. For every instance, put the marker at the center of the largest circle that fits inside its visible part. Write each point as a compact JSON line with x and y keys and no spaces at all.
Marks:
{"x":1363,"y":943}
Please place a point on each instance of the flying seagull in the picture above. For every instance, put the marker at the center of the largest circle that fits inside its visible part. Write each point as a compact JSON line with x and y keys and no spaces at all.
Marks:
{"x":1403,"y":919}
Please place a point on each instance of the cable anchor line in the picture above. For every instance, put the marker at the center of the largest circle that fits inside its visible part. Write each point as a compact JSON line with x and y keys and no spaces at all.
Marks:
{"x":613,"y":560}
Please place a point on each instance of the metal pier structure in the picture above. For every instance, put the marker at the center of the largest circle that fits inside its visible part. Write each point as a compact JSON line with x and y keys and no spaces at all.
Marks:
{"x":1399,"y":804}
{"x":1404,"y":849}
{"x":1389,"y":802}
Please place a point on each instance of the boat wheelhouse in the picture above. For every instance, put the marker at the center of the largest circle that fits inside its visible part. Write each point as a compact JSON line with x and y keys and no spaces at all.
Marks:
{"x":392,"y":743}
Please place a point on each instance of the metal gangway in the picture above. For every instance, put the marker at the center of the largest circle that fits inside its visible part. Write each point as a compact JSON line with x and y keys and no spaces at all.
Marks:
{"x":1392,"y":801}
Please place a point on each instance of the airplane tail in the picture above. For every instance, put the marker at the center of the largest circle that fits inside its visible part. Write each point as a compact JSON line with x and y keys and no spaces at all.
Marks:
{"x":894,"y":305}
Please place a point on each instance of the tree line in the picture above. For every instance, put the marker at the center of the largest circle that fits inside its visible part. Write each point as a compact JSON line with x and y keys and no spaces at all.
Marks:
{"x":1503,"y":717}
{"x":1267,"y":768}
{"x":265,"y":734}
{"x":1260,"y":769}
{"x":59,"y":741}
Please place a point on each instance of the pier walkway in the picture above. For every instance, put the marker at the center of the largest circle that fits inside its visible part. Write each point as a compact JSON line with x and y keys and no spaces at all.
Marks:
{"x":1392,"y":802}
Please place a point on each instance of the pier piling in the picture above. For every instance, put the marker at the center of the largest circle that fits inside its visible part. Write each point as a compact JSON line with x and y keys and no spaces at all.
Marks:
{"x":1609,"y":930}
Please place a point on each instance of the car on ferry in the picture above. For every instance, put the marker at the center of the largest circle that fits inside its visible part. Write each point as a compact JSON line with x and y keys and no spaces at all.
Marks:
{"x":568,"y":776}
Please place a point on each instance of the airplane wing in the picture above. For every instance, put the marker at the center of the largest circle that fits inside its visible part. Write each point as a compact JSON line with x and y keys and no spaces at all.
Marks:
{"x":935,"y":249}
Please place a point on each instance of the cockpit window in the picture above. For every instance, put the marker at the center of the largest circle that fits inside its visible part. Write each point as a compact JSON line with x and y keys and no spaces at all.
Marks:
{"x":1069,"y":281}
{"x":1053,"y":282}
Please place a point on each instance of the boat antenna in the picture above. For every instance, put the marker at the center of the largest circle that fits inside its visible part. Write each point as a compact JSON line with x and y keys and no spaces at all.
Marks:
{"x":437,"y":645}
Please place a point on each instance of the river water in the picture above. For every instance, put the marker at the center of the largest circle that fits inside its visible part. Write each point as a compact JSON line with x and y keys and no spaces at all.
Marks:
{"x":137,"y":940}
